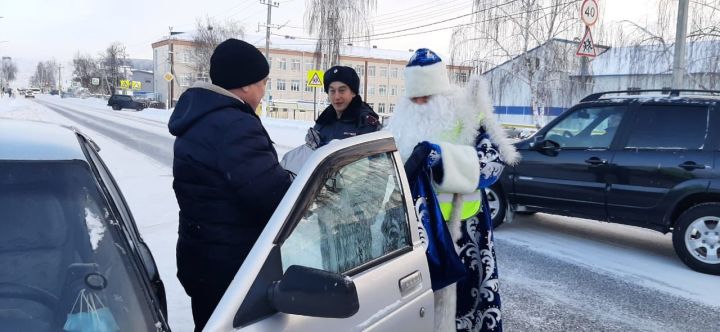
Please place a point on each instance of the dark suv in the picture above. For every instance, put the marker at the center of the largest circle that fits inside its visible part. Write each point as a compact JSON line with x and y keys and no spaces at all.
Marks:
{"x":118,"y":102}
{"x":648,"y":159}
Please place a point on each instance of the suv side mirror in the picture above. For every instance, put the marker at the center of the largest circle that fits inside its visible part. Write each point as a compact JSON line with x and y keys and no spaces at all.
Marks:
{"x":546,"y":146}
{"x":311,"y":292}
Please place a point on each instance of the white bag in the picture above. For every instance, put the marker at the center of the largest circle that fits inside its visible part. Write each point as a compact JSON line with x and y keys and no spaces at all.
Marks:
{"x":294,"y":159}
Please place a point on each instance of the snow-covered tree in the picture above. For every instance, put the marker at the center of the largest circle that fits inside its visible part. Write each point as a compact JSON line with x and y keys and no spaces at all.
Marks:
{"x":8,"y":71}
{"x":334,"y":22}
{"x":44,"y":76}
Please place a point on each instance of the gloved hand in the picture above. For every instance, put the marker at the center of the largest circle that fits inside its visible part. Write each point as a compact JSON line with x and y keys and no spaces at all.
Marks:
{"x":313,"y":139}
{"x":424,"y":154}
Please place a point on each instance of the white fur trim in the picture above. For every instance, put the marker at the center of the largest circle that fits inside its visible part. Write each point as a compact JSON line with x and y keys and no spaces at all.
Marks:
{"x":461,"y":169}
{"x":445,"y":309}
{"x":478,"y":91}
{"x":426,"y":80}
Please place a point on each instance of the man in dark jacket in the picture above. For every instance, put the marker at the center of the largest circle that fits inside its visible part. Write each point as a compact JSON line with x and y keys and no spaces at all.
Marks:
{"x":227,"y":178}
{"x":347,"y":115}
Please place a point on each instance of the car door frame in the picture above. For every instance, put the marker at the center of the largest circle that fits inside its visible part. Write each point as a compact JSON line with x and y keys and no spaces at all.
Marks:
{"x":262,"y":266}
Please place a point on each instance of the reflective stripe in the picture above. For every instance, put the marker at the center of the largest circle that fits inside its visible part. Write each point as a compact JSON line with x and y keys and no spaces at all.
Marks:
{"x":472,"y":203}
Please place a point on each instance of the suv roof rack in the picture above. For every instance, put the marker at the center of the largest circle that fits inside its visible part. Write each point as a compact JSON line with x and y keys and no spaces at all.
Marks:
{"x":668,"y":92}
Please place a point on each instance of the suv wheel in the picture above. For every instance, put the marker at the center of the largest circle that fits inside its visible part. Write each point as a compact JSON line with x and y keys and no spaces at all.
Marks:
{"x":116,"y":107}
{"x":696,"y":238}
{"x":139,"y":108}
{"x":497,"y":204}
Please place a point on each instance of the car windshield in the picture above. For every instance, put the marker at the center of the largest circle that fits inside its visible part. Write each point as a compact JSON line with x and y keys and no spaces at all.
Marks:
{"x":65,"y":256}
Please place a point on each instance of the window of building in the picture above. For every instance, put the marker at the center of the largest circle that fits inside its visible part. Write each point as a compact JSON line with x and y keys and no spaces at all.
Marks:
{"x":203,"y":76}
{"x":371,"y":71}
{"x":383,"y":71}
{"x":382,"y":90}
{"x":295,"y":65}
{"x":308,"y":88}
{"x":381,"y":107}
{"x":186,"y":79}
{"x":309,"y":65}
{"x":282,"y":64}
{"x":360,"y":69}
{"x":269,"y":84}
{"x":393,"y":90}
{"x":281,"y":85}
{"x":371,"y":90}
{"x":269,"y":60}
{"x":295,"y":85}
{"x":362,"y":89}
{"x":392,"y":108}
{"x":394,"y":73}
{"x":633,"y":91}
{"x":461,"y":77}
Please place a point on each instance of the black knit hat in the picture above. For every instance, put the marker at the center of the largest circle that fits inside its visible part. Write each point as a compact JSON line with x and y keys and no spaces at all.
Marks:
{"x":235,"y":64}
{"x":342,"y":74}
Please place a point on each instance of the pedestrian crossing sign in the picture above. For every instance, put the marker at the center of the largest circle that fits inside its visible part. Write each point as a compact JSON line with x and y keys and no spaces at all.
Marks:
{"x":315,"y":78}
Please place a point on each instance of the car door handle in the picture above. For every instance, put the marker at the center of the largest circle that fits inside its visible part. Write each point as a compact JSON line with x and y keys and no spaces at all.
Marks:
{"x":691,"y":165}
{"x":595,"y":161}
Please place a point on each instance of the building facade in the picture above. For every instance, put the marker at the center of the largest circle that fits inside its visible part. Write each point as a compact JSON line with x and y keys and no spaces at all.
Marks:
{"x":380,"y":71}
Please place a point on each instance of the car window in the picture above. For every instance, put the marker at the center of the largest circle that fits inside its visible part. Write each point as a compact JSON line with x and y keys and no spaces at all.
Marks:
{"x":60,"y":236}
{"x":593,"y":127}
{"x":670,"y":127}
{"x":358,"y":215}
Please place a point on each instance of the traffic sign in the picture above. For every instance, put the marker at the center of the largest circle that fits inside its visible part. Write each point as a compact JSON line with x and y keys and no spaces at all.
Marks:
{"x":587,"y":46}
{"x":95,"y":81}
{"x":589,"y":12}
{"x":168,"y":76}
{"x":136,"y":85}
{"x":124,"y":84}
{"x":315,"y":78}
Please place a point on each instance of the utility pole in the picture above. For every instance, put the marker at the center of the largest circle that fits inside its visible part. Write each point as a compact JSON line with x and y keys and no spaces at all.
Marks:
{"x":171,"y":91}
{"x":60,"y":77}
{"x":268,"y":25}
{"x":680,"y":35}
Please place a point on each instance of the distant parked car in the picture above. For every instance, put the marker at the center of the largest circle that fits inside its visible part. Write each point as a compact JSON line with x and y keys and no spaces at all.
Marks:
{"x":68,"y":242}
{"x":647,"y":160}
{"x":29,"y":94}
{"x":54,"y":92}
{"x":118,"y":102}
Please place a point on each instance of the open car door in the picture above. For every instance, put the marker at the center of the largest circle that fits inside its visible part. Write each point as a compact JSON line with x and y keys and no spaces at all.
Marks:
{"x":341,"y":252}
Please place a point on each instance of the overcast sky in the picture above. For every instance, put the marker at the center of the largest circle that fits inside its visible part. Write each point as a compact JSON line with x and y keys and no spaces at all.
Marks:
{"x":35,"y":30}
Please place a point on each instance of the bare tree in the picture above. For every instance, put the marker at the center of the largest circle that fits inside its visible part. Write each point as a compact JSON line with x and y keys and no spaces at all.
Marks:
{"x":85,"y":68}
{"x":505,"y":30}
{"x":44,"y":76}
{"x":334,"y":22}
{"x":112,"y":65}
{"x":651,"y":45}
{"x":209,"y":33}
{"x":8,"y":72}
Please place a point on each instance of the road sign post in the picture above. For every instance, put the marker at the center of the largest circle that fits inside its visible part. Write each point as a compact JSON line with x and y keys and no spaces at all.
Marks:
{"x":315,"y":80}
{"x":589,"y":13}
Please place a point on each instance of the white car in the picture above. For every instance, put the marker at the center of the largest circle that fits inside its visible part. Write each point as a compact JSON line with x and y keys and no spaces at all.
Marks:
{"x":342,"y":252}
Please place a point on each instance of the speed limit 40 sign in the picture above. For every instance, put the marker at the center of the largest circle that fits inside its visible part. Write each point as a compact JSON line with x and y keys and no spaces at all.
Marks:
{"x":589,"y":12}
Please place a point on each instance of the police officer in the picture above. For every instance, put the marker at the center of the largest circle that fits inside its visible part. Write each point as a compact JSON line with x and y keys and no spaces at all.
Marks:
{"x":347,"y":115}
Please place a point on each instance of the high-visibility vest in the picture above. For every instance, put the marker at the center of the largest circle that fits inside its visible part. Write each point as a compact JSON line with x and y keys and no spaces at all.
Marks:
{"x":471,"y":205}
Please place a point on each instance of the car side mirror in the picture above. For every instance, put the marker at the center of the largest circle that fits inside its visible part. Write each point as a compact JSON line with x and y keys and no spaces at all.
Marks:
{"x":546,"y":147}
{"x":311,"y":292}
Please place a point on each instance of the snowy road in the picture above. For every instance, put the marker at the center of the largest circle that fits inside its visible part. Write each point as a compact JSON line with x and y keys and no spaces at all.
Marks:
{"x":557,"y":273}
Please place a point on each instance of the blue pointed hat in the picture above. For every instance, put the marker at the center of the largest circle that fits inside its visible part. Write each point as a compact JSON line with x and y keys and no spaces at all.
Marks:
{"x":425,"y":74}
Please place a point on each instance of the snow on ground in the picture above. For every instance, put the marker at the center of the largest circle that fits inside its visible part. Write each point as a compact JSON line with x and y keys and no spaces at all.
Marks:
{"x":640,"y":256}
